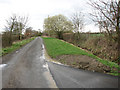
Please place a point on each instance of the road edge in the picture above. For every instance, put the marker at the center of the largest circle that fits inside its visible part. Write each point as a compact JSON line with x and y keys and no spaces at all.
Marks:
{"x":50,"y":76}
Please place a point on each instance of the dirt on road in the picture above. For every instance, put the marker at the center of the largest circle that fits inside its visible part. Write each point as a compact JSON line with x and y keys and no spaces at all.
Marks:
{"x":83,"y":62}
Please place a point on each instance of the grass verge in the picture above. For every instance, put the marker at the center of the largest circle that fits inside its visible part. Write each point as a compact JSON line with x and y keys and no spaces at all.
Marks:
{"x":56,"y":47}
{"x":15,"y":46}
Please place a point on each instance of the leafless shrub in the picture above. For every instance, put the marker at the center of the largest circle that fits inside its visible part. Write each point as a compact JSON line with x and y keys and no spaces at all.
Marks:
{"x":107,"y":15}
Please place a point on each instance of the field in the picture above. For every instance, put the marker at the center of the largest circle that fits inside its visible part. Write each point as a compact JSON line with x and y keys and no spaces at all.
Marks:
{"x":15,"y":46}
{"x":57,"y":47}
{"x":94,"y":34}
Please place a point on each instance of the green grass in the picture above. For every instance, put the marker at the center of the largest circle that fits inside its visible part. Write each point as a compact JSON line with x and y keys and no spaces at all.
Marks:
{"x":15,"y":46}
{"x":56,"y":47}
{"x":96,"y":35}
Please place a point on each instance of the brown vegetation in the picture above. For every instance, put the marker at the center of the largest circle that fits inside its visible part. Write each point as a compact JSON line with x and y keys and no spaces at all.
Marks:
{"x":107,"y":16}
{"x":83,"y":62}
{"x":95,"y":43}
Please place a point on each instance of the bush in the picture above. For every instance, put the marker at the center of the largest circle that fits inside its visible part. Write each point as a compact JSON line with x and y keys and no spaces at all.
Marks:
{"x":6,"y":39}
{"x":98,"y":44}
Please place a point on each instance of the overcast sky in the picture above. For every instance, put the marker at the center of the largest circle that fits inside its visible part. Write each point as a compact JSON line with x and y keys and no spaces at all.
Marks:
{"x":38,"y":10}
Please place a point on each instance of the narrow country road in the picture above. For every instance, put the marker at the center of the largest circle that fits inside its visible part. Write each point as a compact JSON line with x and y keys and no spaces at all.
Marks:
{"x":28,"y":68}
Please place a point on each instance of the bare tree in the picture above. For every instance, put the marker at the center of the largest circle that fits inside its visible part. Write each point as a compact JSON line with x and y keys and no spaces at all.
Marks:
{"x":10,"y":27}
{"x":78,"y":26}
{"x":78,"y":21}
{"x":22,"y":24}
{"x":107,"y":16}
{"x":17,"y":24}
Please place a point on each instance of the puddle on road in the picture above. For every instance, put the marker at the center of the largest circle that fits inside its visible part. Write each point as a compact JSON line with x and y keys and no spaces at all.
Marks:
{"x":43,"y":46}
{"x":2,"y":65}
{"x":46,"y":66}
{"x":43,"y":58}
{"x":17,"y":51}
{"x":57,"y":63}
{"x":43,"y":54}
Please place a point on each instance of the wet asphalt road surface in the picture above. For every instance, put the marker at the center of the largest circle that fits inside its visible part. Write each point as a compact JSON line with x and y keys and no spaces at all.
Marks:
{"x":66,"y":76}
{"x":27,"y":68}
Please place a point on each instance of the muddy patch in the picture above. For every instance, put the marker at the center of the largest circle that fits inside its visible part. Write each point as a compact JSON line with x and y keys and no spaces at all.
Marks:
{"x":83,"y":62}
